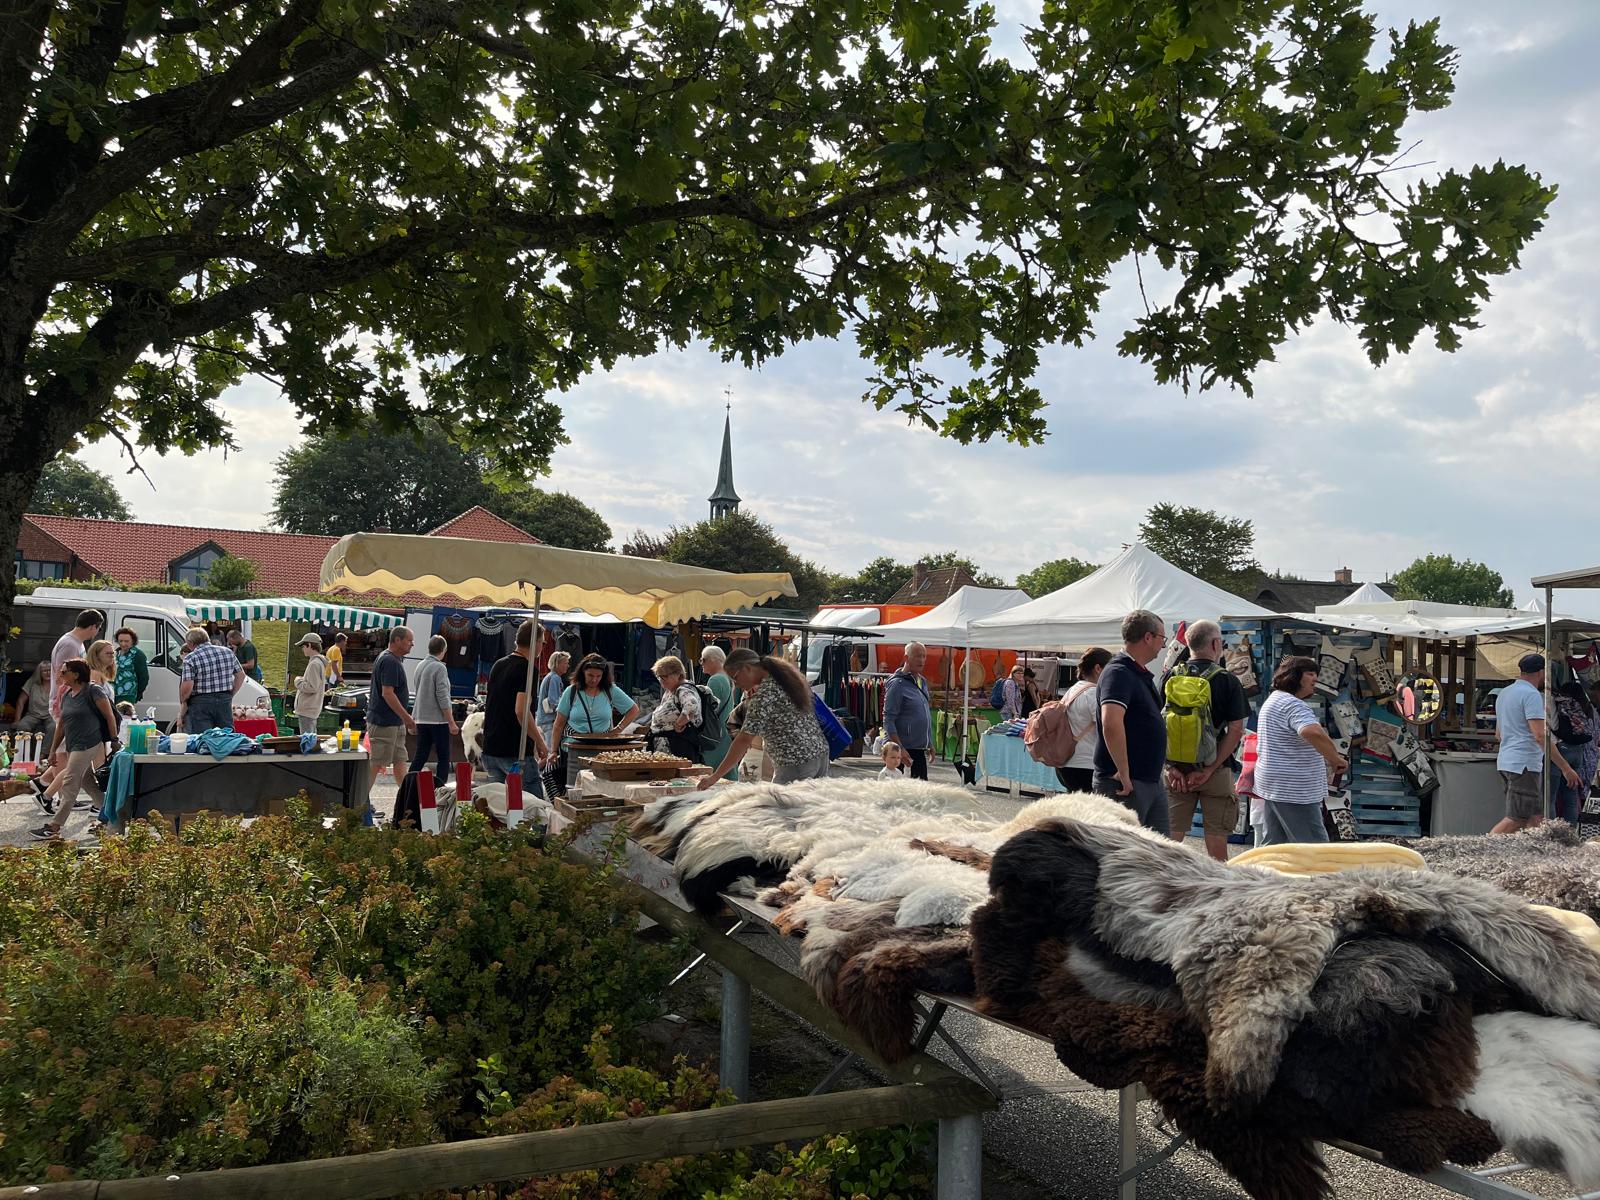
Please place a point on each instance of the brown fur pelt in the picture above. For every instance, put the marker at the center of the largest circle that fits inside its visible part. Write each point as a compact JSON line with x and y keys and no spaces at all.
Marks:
{"x":1268,"y":1146}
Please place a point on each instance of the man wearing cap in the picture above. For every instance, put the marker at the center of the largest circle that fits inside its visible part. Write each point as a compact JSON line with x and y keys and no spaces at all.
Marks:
{"x":1520,"y":727}
{"x":310,"y":688}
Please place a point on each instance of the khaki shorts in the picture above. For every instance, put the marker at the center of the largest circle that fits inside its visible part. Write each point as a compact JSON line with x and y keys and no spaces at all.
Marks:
{"x":388,"y":745}
{"x":1524,"y":794}
{"x":1219,"y":807}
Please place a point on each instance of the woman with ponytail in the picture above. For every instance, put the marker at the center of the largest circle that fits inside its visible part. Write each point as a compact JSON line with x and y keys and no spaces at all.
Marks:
{"x":778,"y":710}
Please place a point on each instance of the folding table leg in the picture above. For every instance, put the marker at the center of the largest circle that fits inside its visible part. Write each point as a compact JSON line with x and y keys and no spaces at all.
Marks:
{"x":961,"y":1158}
{"x":1128,"y":1142}
{"x":734,"y":1062}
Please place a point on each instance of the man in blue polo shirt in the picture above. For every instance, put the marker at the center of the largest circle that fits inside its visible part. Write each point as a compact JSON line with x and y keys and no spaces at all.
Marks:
{"x":1131,"y":755}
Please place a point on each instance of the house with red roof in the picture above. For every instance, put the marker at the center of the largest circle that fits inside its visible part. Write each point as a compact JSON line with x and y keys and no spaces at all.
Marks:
{"x":135,"y":552}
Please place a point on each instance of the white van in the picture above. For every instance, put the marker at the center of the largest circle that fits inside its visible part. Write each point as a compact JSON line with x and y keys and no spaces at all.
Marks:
{"x":161,"y":621}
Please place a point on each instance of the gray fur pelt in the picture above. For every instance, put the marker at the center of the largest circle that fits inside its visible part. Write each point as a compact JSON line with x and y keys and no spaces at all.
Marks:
{"x":1548,"y":864}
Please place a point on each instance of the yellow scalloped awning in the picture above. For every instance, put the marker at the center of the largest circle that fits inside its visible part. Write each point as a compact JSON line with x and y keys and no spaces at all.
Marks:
{"x":658,"y":593}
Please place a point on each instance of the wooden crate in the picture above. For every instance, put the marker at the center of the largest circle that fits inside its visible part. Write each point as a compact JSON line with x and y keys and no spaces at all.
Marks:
{"x":638,"y":772}
{"x":594,"y":809}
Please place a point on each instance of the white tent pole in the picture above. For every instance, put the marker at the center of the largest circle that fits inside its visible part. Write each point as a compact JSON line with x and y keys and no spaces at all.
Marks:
{"x":966,"y":693}
{"x":533,"y":656}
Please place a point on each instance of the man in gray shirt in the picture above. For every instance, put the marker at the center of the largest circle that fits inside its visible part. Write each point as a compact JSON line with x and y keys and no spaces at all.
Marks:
{"x":907,"y":718}
{"x":436,"y":719}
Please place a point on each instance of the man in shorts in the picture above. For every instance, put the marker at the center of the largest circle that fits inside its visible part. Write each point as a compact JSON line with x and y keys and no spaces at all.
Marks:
{"x":1209,"y":786}
{"x":1520,"y":727}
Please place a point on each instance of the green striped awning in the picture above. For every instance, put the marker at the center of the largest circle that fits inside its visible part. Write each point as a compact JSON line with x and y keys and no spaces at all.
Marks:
{"x":339,"y":616}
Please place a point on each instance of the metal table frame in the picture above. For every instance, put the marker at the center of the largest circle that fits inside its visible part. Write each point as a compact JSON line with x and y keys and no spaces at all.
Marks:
{"x":205,"y":764}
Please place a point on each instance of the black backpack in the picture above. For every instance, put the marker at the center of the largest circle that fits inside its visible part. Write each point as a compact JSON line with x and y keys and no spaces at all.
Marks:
{"x":997,"y":694}
{"x":709,"y":731}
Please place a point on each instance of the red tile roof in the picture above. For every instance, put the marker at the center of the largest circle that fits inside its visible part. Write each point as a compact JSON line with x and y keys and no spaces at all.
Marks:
{"x":132,"y":552}
{"x":478,"y":522}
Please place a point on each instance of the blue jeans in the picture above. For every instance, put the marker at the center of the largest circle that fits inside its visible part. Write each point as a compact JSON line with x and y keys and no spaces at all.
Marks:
{"x":499,"y":768}
{"x":433,"y":739}
{"x":209,"y":710}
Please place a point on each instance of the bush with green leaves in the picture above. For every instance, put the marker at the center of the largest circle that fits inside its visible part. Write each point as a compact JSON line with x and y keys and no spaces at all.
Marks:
{"x":227,"y":996}
{"x":888,"y":1164}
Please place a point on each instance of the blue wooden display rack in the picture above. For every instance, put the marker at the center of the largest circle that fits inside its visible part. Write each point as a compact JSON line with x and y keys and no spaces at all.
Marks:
{"x":1381,"y":800}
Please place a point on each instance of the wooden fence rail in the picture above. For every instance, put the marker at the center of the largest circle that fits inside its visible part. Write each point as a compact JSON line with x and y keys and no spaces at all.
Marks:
{"x":551,"y":1152}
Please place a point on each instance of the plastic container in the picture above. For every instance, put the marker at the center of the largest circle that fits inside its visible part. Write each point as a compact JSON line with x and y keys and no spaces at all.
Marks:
{"x":140,"y":735}
{"x":179,"y":743}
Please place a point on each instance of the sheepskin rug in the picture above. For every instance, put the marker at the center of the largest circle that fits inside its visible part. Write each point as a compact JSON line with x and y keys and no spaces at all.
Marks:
{"x":1429,"y":1016}
{"x":1548,"y":864}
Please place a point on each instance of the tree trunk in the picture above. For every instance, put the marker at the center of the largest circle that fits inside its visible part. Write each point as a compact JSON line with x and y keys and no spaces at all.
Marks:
{"x":30,"y":447}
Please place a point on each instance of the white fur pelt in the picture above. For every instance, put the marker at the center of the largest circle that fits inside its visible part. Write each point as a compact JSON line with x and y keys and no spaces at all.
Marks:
{"x":472,"y":737}
{"x":535,"y":810}
{"x":1538,"y":1085}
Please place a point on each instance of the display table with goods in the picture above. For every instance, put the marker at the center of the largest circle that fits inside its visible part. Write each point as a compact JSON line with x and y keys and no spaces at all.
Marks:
{"x":1004,"y":764}
{"x":184,"y":781}
{"x":1391,"y":1003}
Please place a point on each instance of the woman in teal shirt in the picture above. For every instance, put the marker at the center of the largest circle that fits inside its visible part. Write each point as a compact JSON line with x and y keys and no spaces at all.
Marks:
{"x":711,"y":661}
{"x":589,"y":705}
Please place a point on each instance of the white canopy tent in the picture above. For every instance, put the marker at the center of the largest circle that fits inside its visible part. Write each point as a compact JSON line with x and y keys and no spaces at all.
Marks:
{"x":1432,"y":621}
{"x":946,"y":624}
{"x":1367,"y":593}
{"x":1090,"y":611}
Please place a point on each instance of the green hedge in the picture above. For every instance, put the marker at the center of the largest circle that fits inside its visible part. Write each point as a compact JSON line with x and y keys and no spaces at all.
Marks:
{"x":228,"y":996}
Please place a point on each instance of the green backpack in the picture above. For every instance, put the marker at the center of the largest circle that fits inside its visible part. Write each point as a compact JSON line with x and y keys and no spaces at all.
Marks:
{"x":1191,"y":735}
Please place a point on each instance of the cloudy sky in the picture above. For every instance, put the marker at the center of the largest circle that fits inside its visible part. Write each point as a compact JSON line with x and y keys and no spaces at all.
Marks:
{"x":1484,"y":453}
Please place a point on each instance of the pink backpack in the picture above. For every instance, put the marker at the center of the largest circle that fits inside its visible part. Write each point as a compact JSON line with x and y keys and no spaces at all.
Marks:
{"x":1049,"y":736}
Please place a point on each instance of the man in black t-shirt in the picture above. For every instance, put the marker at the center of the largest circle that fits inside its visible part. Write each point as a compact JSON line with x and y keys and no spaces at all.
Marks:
{"x":1209,"y":786}
{"x":1131,"y":750}
{"x":507,"y":711}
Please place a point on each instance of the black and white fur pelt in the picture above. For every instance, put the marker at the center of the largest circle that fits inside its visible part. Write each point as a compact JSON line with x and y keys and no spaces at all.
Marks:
{"x":472,"y":737}
{"x":749,"y":835}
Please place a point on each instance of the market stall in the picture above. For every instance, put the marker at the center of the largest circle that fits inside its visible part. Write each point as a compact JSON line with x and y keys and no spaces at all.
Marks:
{"x":1089,"y":613}
{"x":290,"y":610}
{"x":529,"y":575}
{"x":1405,"y":689}
{"x":957,"y":676}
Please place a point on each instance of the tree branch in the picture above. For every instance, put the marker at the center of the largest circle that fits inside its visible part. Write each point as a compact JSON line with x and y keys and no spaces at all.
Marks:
{"x":21,"y":49}
{"x":188,"y":250}
{"x":147,"y":154}
{"x":51,"y":163}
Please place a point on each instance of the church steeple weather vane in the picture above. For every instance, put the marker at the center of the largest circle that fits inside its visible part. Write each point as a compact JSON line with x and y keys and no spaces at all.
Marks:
{"x":724,"y":500}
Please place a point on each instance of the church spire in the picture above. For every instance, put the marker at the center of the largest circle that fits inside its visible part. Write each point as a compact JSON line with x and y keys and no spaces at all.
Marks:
{"x":724,"y":500}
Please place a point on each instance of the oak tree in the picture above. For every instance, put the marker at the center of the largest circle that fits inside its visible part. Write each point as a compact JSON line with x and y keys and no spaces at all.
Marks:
{"x":421,"y":209}
{"x":67,"y":488}
{"x":1447,"y":580}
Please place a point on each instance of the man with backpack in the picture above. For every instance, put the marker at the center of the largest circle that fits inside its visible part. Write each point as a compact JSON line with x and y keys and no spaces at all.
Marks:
{"x":1204,"y":713}
{"x":907,"y":715}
